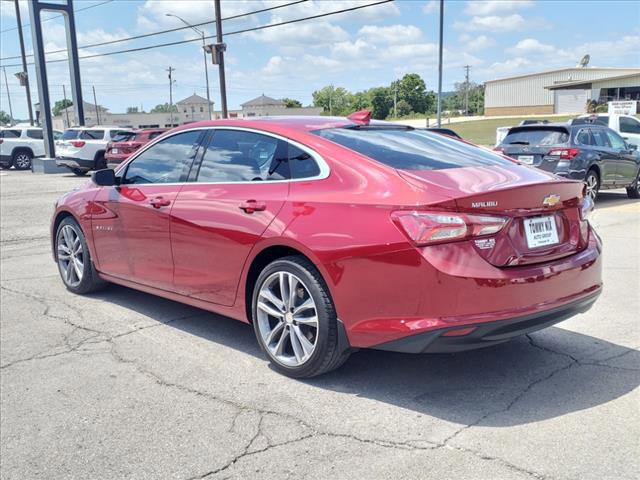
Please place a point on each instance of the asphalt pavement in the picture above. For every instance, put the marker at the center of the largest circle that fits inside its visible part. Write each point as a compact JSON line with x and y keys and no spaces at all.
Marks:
{"x":122,"y":384}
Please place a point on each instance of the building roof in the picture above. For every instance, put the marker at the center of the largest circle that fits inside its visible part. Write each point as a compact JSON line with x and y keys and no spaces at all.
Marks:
{"x":587,"y":83}
{"x":572,"y":69}
{"x":262,"y":101}
{"x":193,"y":99}
{"x":87,"y":106}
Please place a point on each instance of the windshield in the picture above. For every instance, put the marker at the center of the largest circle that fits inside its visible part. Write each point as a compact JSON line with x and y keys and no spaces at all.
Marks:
{"x":409,"y":149}
{"x":536,"y":136}
{"x":70,"y":135}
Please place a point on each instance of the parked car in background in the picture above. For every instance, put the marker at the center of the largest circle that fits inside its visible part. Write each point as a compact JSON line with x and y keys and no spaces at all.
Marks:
{"x":126,"y":143}
{"x":589,"y":152}
{"x":332,"y":234}
{"x":81,"y":149}
{"x":626,"y":125}
{"x":20,"y":145}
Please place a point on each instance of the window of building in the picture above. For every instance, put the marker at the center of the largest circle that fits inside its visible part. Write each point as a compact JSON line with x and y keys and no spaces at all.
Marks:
{"x":168,"y":161}
{"x":201,"y":109}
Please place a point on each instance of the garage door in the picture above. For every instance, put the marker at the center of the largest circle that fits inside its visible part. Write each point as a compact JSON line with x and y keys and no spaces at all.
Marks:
{"x":570,"y":101}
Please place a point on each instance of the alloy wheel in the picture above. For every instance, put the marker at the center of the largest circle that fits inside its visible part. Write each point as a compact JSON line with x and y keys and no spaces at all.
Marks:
{"x":287,"y":319}
{"x":71,"y":256}
{"x":22,"y":161}
{"x":592,"y":186}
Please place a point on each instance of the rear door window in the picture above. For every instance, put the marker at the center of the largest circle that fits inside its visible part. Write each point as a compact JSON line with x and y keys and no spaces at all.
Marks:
{"x":410,"y":149}
{"x":629,"y":125}
{"x":35,"y":133}
{"x":92,"y":134}
{"x":583,"y":137}
{"x":301,"y":163}
{"x":10,"y":133}
{"x":616,"y":140}
{"x":600,"y":138}
{"x":542,"y":136}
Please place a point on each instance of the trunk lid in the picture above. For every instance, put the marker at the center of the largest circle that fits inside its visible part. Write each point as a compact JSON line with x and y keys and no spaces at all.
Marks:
{"x":543,"y":210}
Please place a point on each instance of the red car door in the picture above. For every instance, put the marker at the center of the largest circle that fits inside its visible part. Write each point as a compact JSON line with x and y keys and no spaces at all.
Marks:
{"x":240,"y":187}
{"x":131,"y":221}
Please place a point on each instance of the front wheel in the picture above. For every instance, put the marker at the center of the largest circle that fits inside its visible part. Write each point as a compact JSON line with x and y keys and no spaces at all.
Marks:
{"x":634,"y":190}
{"x":74,"y":259}
{"x":592,"y":181}
{"x":295,"y":320}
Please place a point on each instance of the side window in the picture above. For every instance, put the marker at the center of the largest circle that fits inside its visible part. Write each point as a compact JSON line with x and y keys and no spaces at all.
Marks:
{"x":37,"y":134}
{"x":92,"y":134}
{"x":57,"y":134}
{"x":241,"y":156}
{"x":616,"y":140}
{"x":600,"y":138}
{"x":168,"y":161}
{"x":583,"y":137}
{"x":629,"y":125}
{"x":10,"y":133}
{"x":301,"y":164}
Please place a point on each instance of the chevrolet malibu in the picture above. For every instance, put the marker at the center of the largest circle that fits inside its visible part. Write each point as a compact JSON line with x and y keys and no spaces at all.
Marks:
{"x":334,"y":234}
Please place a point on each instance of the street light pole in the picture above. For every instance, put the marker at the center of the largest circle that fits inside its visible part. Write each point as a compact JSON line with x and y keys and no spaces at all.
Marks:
{"x":440,"y":65}
{"x":8,"y":96}
{"x":204,"y":53}
{"x":220,"y":58}
{"x":24,"y":63}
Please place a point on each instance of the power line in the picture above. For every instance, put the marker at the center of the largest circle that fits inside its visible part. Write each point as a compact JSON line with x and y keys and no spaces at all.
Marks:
{"x":161,"y":32}
{"x":236,"y":32}
{"x":58,"y":16}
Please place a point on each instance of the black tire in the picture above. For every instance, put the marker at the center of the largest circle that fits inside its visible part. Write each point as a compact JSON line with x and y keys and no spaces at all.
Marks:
{"x":78,"y":172}
{"x":21,"y":159}
{"x":592,"y":181}
{"x":90,"y":281}
{"x":634,"y":190}
{"x":5,"y":166}
{"x":331,"y":348}
{"x":100,"y":162}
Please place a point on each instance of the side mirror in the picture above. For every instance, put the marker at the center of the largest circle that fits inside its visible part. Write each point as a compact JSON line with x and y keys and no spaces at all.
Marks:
{"x":632,"y":147}
{"x":104,"y":178}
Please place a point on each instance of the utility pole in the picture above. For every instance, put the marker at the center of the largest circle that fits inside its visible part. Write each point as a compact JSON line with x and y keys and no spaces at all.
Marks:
{"x":220,"y":48}
{"x":466,"y":89}
{"x":95,"y":103}
{"x":66,"y":109}
{"x":395,"y":99}
{"x":440,"y":65}
{"x":24,"y":63}
{"x":8,"y":96}
{"x":171,"y":70}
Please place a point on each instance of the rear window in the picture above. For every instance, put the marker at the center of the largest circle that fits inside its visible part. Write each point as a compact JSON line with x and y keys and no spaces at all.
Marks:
{"x":600,"y":120}
{"x":70,"y":135}
{"x":92,"y":134}
{"x":37,"y":134}
{"x":411,"y":149}
{"x":536,"y":136}
{"x":10,"y":133}
{"x":122,"y":136}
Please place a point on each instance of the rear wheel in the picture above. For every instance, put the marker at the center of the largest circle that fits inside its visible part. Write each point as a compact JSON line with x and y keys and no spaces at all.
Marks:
{"x":592,"y":181}
{"x":22,"y":160}
{"x":634,"y":190}
{"x":295,"y":320}
{"x":74,"y":259}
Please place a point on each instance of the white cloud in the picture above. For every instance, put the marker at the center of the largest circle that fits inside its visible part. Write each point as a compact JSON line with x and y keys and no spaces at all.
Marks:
{"x":316,"y":33}
{"x":531,"y":46}
{"x":494,"y":23}
{"x":273,"y":66}
{"x":491,"y":7}
{"x":391,"y":35}
{"x":430,"y":7}
{"x":476,"y":44}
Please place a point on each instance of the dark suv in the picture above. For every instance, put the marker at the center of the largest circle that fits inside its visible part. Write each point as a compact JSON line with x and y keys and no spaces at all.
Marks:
{"x":592,"y":153}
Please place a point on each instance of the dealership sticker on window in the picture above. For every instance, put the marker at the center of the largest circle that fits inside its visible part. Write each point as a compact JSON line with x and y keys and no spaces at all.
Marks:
{"x":541,"y":231}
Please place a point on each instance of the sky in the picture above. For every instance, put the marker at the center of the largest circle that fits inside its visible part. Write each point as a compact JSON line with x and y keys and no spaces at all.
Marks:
{"x":356,"y":50}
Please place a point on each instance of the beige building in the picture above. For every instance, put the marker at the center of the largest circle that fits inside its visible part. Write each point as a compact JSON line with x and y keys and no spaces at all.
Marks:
{"x":565,"y":90}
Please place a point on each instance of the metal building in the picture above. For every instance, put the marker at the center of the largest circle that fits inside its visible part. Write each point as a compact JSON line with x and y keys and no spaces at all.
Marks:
{"x":541,"y":93}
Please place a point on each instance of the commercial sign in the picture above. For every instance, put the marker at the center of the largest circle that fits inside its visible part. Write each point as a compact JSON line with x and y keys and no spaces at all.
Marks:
{"x":623,"y":107}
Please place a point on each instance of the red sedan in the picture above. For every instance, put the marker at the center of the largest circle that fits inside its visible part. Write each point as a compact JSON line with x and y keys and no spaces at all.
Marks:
{"x":330,"y":235}
{"x":126,"y":143}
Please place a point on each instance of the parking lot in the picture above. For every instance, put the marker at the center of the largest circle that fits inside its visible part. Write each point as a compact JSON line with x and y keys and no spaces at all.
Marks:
{"x":122,"y":384}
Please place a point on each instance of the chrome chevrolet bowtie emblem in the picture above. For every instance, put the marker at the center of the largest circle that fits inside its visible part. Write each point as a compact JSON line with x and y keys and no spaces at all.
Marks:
{"x":551,"y":200}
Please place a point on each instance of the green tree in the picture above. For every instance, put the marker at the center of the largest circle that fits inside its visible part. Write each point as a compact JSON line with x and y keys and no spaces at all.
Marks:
{"x":334,"y":101}
{"x":164,"y":108}
{"x":381,"y":102}
{"x":476,"y":97}
{"x":359,"y":101}
{"x":404,"y":108}
{"x":60,"y":105}
{"x":132,"y":110}
{"x":4,"y":117}
{"x":291,"y":103}
{"x":413,"y":90}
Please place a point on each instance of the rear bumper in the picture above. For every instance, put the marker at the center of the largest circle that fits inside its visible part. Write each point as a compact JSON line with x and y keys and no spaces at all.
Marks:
{"x":489,"y":333}
{"x":72,"y":163}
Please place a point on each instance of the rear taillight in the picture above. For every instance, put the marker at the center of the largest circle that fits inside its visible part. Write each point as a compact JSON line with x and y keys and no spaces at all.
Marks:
{"x":564,"y":153}
{"x":427,"y":228}
{"x":78,"y":143}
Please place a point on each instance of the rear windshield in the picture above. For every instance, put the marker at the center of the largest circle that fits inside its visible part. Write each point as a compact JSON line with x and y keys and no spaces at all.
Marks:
{"x":536,"y":136}
{"x":70,"y":135}
{"x":411,"y":149}
{"x":600,"y":120}
{"x":123,"y":136}
{"x":92,"y":134}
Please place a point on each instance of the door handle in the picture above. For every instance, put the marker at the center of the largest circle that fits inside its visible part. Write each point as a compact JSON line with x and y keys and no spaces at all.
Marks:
{"x":159,"y":202}
{"x":251,"y":206}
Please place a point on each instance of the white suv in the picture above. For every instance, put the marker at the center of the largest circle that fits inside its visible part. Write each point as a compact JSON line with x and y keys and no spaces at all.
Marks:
{"x":20,"y":145}
{"x":81,"y":149}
